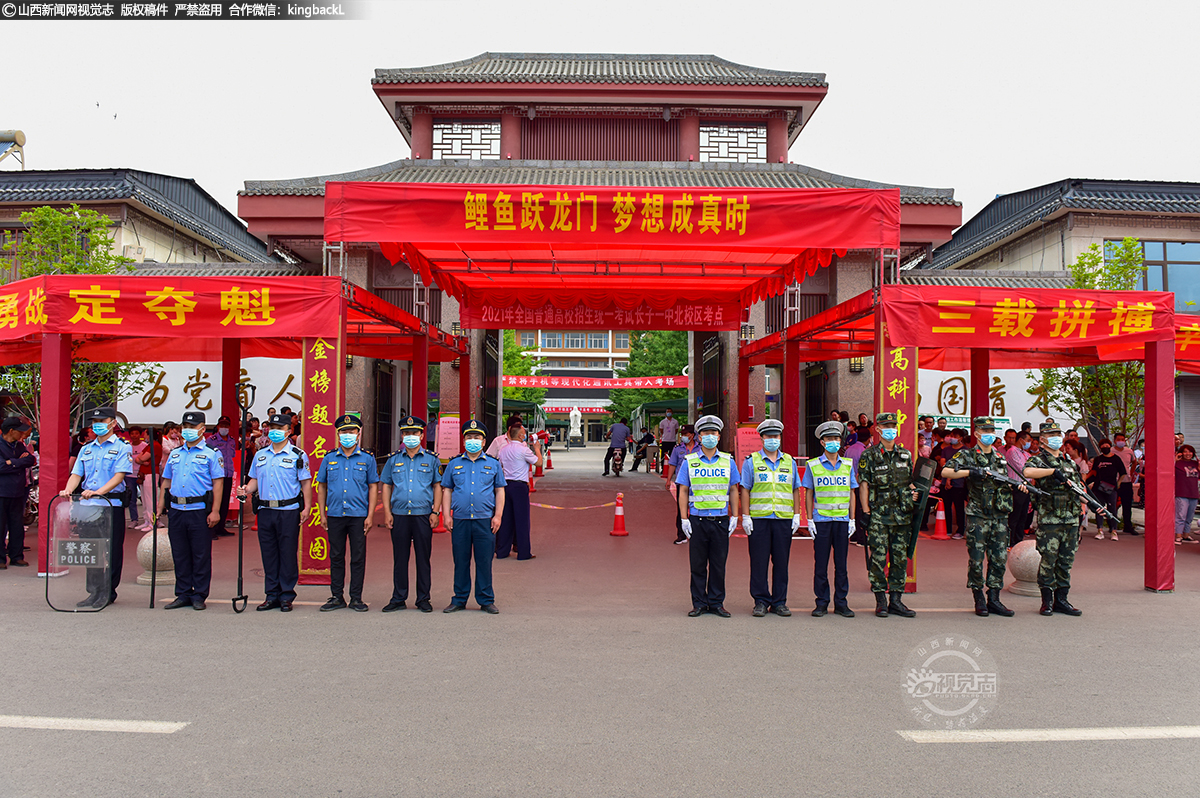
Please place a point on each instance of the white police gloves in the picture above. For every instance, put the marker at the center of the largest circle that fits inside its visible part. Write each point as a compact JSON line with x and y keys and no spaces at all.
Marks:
{"x":747,"y":525}
{"x":732,"y":524}
{"x":850,"y":527}
{"x":812,"y":527}
{"x":686,"y":525}
{"x":795,"y":523}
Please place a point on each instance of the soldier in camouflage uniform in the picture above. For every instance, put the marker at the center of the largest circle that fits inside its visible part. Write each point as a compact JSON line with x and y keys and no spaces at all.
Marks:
{"x":1058,"y":520}
{"x":885,"y":490}
{"x":988,"y":505}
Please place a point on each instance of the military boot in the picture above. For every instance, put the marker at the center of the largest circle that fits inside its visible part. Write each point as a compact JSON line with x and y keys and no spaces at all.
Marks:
{"x":981,"y":605}
{"x":1062,"y":605}
{"x":1047,"y":601}
{"x":994,"y":605}
{"x":896,"y":606}
{"x":881,"y":605}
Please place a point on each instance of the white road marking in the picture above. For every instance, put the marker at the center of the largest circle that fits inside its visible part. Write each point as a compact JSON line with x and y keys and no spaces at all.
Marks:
{"x":1052,"y":735}
{"x":89,"y":724}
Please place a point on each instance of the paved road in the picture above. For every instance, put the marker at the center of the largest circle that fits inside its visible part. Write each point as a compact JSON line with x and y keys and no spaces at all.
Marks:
{"x":592,"y":682}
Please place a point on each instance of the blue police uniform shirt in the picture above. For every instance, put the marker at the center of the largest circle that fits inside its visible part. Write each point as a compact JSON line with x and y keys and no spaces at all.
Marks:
{"x":412,"y":480}
{"x":192,"y":471}
{"x":279,"y":474}
{"x":680,"y":453}
{"x":474,"y":484}
{"x":347,"y":483}
{"x":747,"y":474}
{"x":683,"y":477}
{"x":98,"y":462}
{"x":807,"y":482}
{"x":227,"y":446}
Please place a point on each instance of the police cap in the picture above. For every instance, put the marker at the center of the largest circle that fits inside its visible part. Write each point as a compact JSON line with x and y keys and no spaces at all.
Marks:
{"x":985,"y":423}
{"x":771,"y":426}
{"x":886,"y":418}
{"x":412,"y":422}
{"x":100,"y":413}
{"x":830,"y":428}
{"x":709,"y":422}
{"x":347,"y":421}
{"x":280,"y":420}
{"x":475,"y":426}
{"x":193,"y":417}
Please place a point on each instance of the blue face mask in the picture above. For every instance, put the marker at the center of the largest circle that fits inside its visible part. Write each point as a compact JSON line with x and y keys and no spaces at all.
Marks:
{"x":347,"y":439}
{"x":412,"y":441}
{"x":888,"y":434}
{"x":709,"y":441}
{"x":473,"y":445}
{"x":190,"y":435}
{"x":1054,"y":443}
{"x":771,"y":444}
{"x":832,"y":446}
{"x":1026,"y":444}
{"x":100,"y":428}
{"x":987,"y":438}
{"x":277,"y":435}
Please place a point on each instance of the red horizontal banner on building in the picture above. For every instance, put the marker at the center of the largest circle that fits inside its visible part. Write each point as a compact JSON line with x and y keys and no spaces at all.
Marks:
{"x":1004,"y":318}
{"x":681,"y":316}
{"x":569,"y":409}
{"x":594,"y":382}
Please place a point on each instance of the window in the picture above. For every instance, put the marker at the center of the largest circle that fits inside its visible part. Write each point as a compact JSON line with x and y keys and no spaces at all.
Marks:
{"x":621,"y":340}
{"x":528,"y":339}
{"x":1174,"y":266}
{"x":598,"y":340}
{"x":551,"y":340}
{"x":573,"y":340}
{"x":733,"y":143}
{"x":474,"y":139}
{"x":621,"y":365}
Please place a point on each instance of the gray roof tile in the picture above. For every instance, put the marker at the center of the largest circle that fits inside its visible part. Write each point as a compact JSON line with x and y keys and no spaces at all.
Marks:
{"x":989,"y":279}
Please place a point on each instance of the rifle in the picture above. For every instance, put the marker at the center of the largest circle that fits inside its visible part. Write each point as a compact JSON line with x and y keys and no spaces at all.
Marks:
{"x":1005,"y":479}
{"x":1082,"y":492}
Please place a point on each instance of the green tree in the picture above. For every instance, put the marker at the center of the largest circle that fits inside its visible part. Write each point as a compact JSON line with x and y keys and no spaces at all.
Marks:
{"x":1108,"y":398}
{"x":651,"y":354}
{"x":516,"y":364}
{"x":73,"y":240}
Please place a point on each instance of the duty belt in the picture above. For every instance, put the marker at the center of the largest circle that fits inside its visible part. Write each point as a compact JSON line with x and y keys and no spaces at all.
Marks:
{"x":205,"y":499}
{"x":277,"y":504}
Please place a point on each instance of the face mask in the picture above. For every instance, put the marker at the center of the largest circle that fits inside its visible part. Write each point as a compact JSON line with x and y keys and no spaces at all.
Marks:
{"x":668,"y":415}
{"x":1105,"y":449}
{"x":771,"y":444}
{"x":1120,"y":444}
{"x":100,"y":429}
{"x":709,"y":441}
{"x":190,"y":435}
{"x":987,"y":438}
{"x":412,"y":441}
{"x":952,"y":441}
{"x":686,"y":439}
{"x":888,"y":434}
{"x":277,"y":435}
{"x":1026,"y":444}
{"x":832,"y":446}
{"x":348,"y":439}
{"x":1054,"y":443}
{"x":474,"y":445}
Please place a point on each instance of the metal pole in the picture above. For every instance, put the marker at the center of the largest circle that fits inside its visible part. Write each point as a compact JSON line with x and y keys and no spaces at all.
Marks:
{"x":153,"y":520}
{"x":241,"y":595}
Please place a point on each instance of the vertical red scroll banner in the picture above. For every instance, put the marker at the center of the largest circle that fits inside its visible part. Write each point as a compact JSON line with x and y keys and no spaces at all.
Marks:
{"x":896,"y":392}
{"x":324,"y":400}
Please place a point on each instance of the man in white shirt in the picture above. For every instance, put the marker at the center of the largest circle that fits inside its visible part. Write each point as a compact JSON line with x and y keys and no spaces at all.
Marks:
{"x":668,"y":429}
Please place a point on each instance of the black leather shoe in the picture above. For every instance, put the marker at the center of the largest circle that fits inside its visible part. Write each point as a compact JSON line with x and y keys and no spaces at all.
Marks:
{"x":896,"y":606}
{"x":18,"y":563}
{"x":180,"y":601}
{"x":721,"y":611}
{"x":782,"y":611}
{"x":994,"y":606}
{"x":285,"y":606}
{"x":844,"y":611}
{"x":198,"y":604}
{"x":267,"y":605}
{"x":881,"y":605}
{"x":89,"y":601}
{"x":394,"y":606}
{"x":820,"y":611}
{"x":490,"y":609}
{"x":981,"y":605}
{"x":1047,"y":602}
{"x":760,"y":610}
{"x":1062,"y":605}
{"x":334,"y":603}
{"x":424,"y":606}
{"x":455,"y":608}
{"x":697,"y":612}
{"x":358,"y":606}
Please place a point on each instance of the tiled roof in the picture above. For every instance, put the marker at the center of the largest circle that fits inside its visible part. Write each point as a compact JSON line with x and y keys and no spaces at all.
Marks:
{"x":681,"y":174}
{"x":1010,"y":214}
{"x":598,"y":68}
{"x":179,"y":199}
{"x":226,"y":269}
{"x":990,"y":279}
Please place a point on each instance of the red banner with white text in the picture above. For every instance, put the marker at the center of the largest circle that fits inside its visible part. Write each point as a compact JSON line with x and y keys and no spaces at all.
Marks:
{"x":594,"y":382}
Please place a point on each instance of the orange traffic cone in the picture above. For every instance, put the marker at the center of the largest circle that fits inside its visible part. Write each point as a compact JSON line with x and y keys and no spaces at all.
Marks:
{"x":532,"y":482}
{"x":618,"y":529}
{"x":939,"y":526}
{"x":539,"y":472}
{"x":549,"y":462}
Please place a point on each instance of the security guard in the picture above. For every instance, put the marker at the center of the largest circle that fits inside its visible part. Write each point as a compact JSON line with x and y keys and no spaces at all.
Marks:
{"x":280,"y":477}
{"x":988,"y":506}
{"x":472,"y":505}
{"x":197,"y":474}
{"x":687,"y":444}
{"x":412,"y":500}
{"x":346,"y":490}
{"x":1058,"y":520}
{"x":885,"y":490}
{"x":101,"y":468}
{"x":227,"y":444}
{"x":709,"y":510}
{"x":770,"y":488}
{"x":829,"y":480}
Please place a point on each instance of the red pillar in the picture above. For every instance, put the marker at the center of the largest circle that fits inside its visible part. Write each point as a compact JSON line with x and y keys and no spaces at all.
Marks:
{"x":466,"y":392}
{"x":689,"y":138}
{"x":777,"y":140}
{"x":421,"y":136}
{"x":1160,"y":466}
{"x":510,"y":136}
{"x":793,"y":425}
{"x":231,"y":373}
{"x":743,"y":388}
{"x":419,"y":401}
{"x":980,"y":383}
{"x":55,"y":433}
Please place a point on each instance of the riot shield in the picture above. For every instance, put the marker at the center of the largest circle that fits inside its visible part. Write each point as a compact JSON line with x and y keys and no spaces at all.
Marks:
{"x":79,"y":553}
{"x":924,"y":472}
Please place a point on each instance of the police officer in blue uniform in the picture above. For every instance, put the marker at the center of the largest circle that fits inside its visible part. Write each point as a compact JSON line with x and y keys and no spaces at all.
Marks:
{"x":280,"y":477}
{"x":100,"y":469}
{"x":472,"y":504}
{"x":192,"y":479}
{"x":412,"y":499}
{"x":346,"y":490}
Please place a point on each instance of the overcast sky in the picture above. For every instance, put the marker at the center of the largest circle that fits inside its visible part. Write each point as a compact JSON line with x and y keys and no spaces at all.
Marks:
{"x":986,"y":98}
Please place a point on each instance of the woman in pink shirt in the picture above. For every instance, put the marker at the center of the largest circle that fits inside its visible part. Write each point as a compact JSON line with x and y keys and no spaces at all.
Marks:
{"x":515,"y":458}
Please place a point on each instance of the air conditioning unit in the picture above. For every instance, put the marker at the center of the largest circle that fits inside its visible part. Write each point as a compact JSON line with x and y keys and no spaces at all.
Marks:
{"x":137,"y":253}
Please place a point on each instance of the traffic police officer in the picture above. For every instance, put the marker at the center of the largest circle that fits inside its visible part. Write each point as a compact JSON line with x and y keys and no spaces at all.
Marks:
{"x":227,"y":444}
{"x":988,"y":506}
{"x":708,"y":512}
{"x":1058,"y":520}
{"x":885,"y":490}
{"x":412,"y":500}
{"x":472,"y":505}
{"x":101,"y":468}
{"x":829,"y":480}
{"x":280,"y":477}
{"x":192,"y":478}
{"x":770,"y":488}
{"x":346,"y":490}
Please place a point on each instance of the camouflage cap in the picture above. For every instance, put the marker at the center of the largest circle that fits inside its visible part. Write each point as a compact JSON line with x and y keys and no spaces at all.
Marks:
{"x":886,"y":418}
{"x":1048,"y":427}
{"x":985,"y":422}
